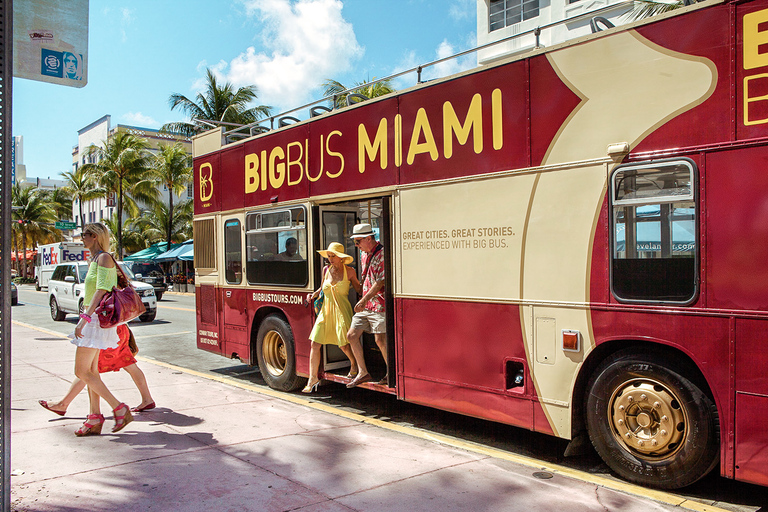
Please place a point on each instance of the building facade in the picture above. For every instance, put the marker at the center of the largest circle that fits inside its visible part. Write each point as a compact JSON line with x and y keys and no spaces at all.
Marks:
{"x":95,"y":134}
{"x":527,"y":24}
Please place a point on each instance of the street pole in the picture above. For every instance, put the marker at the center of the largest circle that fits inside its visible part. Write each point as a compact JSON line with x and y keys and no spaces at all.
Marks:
{"x":6,"y":142}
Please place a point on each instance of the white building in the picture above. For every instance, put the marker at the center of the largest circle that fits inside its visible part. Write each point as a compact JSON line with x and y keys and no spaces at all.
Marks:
{"x":19,"y":170}
{"x":532,"y":23}
{"x":94,"y":135}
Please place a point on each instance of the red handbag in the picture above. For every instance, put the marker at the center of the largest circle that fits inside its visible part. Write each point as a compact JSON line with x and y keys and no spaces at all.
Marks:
{"x":121,"y":305}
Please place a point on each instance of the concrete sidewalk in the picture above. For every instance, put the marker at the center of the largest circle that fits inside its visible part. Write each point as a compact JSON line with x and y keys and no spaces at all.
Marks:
{"x":211,"y":446}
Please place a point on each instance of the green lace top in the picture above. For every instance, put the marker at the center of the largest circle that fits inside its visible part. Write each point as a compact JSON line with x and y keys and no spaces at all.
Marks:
{"x":99,"y":278}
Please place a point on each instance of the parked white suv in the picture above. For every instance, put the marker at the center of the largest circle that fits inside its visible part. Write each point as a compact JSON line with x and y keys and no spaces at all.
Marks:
{"x":66,"y":290}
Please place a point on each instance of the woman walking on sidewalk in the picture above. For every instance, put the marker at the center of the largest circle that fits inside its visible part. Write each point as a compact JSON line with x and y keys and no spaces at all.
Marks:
{"x":111,"y":360}
{"x":90,"y":338}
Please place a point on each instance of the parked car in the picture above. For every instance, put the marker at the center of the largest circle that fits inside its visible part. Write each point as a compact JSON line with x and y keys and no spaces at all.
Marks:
{"x":150,"y":273}
{"x":14,"y":294}
{"x":66,"y":290}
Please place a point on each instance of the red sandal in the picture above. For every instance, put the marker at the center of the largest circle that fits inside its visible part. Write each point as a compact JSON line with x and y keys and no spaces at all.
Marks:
{"x":92,"y":426}
{"x":121,"y":420}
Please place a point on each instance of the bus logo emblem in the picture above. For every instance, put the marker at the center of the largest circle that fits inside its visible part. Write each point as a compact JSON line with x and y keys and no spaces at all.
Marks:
{"x":206,"y":182}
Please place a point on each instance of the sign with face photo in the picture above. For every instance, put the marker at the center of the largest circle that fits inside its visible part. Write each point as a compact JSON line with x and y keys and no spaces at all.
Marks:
{"x":50,"y":41}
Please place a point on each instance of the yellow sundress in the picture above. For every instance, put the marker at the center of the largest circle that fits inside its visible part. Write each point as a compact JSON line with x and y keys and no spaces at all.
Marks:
{"x":335,"y":316}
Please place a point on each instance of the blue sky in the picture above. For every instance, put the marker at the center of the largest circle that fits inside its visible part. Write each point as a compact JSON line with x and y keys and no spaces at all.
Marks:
{"x":140,"y":52}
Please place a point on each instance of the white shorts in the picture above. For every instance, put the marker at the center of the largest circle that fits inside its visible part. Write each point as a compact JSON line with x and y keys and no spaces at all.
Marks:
{"x":96,"y":337}
{"x":370,"y":321}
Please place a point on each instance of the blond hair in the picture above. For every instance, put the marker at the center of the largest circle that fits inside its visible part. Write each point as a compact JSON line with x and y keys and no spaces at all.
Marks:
{"x":101,"y":232}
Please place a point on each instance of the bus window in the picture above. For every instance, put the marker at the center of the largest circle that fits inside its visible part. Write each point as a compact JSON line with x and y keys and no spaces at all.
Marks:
{"x":654,"y":232}
{"x":277,"y":247}
{"x":233,"y":252}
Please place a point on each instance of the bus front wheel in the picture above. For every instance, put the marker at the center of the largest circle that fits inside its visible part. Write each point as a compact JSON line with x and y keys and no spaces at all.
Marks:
{"x":650,"y":423}
{"x":276,"y":354}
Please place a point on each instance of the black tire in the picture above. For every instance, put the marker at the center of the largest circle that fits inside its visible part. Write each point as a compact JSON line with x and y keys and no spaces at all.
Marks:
{"x":37,"y":285}
{"x":650,"y":423}
{"x":148,"y":317}
{"x":81,"y":307}
{"x":15,"y":301}
{"x":159,"y":295}
{"x":276,"y":354}
{"x":57,"y":314}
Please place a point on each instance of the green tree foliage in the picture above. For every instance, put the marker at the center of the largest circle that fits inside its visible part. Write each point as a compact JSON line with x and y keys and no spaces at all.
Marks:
{"x":81,"y":188}
{"x":370,"y":89}
{"x":154,"y":222}
{"x":134,"y":238}
{"x":122,"y":166}
{"x":61,"y":202}
{"x":647,"y":8}
{"x":32,"y":219}
{"x":171,"y":168}
{"x":217,"y":102}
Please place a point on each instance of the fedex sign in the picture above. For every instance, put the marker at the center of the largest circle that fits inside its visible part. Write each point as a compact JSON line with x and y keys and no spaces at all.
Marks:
{"x":53,"y":255}
{"x":49,"y":256}
{"x":78,"y":255}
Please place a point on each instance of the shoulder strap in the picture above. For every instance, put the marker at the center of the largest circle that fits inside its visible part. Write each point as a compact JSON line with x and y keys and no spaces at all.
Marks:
{"x":370,"y":258}
{"x":124,"y":282}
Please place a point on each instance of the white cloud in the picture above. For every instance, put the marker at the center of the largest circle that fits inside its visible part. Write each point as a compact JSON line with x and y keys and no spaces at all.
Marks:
{"x":304,"y":41}
{"x":451,"y":66}
{"x":126,"y":18}
{"x":462,"y":9}
{"x":139,"y":120}
{"x":440,"y":70}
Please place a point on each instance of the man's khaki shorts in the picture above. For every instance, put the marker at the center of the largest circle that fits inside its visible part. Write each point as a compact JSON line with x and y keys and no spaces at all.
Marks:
{"x":370,"y":321}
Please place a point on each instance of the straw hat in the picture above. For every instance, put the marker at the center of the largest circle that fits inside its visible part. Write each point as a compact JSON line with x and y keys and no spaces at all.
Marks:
{"x":337,"y":249}
{"x":362,"y":231}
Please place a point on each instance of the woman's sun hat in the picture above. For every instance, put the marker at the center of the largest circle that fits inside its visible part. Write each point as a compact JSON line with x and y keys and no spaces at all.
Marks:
{"x":337,"y":249}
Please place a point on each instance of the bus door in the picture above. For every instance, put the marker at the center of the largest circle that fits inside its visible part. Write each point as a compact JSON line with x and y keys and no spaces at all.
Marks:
{"x":236,"y":339}
{"x":336,"y":223}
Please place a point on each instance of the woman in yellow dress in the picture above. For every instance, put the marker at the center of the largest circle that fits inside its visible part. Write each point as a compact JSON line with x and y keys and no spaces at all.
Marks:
{"x":335,"y":316}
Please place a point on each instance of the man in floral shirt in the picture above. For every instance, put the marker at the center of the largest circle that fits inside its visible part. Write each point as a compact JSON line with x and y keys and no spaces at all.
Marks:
{"x":369,"y":311}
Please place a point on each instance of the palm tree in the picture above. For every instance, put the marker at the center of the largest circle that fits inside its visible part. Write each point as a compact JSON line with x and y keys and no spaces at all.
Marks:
{"x":154,"y":222}
{"x":81,"y":187}
{"x":648,"y":8}
{"x":217,"y":103}
{"x":369,"y":89}
{"x":32,"y":217}
{"x":122,"y":166}
{"x":134,"y":236}
{"x":172,"y":168}
{"x":61,"y":202}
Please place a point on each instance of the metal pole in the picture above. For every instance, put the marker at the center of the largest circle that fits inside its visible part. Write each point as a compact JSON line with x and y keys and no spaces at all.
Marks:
{"x":6,"y":141}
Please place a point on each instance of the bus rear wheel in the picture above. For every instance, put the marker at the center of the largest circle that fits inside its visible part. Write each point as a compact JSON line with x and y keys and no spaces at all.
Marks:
{"x":276,"y":354}
{"x":650,"y":423}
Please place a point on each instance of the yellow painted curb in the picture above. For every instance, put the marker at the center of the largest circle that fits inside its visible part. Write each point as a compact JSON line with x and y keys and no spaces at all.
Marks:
{"x":626,"y":487}
{"x":644,"y":492}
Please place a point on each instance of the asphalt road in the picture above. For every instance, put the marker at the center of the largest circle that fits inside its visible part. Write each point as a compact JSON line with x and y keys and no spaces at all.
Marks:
{"x":170,"y":339}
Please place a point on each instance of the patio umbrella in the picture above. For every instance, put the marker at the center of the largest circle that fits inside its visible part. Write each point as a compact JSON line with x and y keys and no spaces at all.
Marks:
{"x":184,"y":249}
{"x":150,"y":252}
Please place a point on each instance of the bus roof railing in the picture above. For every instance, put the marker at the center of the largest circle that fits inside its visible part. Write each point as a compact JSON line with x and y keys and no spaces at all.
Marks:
{"x":352,"y":97}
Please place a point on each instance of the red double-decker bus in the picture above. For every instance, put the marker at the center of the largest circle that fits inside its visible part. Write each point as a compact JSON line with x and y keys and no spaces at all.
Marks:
{"x":575,"y":241}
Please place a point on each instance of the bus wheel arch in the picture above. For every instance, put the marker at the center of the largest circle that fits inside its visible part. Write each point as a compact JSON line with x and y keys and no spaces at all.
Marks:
{"x":650,"y":415}
{"x":275,"y":349}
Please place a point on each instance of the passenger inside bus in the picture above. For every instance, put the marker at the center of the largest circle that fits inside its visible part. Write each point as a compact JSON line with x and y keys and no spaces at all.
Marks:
{"x":291,"y":252}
